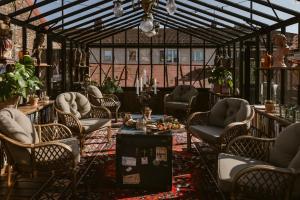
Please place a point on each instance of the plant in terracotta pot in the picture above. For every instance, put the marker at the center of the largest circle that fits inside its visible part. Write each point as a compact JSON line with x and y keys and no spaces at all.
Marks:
{"x":18,"y":82}
{"x":33,"y":83}
{"x":222,"y":79}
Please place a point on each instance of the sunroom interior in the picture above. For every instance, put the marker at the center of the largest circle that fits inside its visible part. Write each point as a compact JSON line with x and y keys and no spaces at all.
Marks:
{"x":149,"y":99}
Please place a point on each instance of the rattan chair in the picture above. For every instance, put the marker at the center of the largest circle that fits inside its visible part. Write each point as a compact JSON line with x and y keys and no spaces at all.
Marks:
{"x":34,"y":149}
{"x":229,"y":118}
{"x":109,"y":101}
{"x":82,"y":118}
{"x":262,"y":168}
{"x":180,"y":100}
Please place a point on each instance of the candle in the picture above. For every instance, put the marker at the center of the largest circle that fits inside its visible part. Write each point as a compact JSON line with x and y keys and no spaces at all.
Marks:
{"x":137,"y":87}
{"x":145,"y":77}
{"x":155,"y":86}
{"x":141,"y":84}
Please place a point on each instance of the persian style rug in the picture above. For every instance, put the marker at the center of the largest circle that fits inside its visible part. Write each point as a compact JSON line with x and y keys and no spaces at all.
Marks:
{"x":96,"y":175}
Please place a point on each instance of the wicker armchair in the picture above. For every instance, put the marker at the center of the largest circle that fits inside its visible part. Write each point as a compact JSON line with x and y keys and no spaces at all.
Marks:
{"x":229,"y":118}
{"x":32,"y":149}
{"x":75,"y":111}
{"x":262,"y":168}
{"x":181,"y":99}
{"x":109,"y":101}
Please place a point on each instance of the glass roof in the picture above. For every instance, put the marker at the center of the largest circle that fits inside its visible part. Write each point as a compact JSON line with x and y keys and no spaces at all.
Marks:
{"x":238,"y":17}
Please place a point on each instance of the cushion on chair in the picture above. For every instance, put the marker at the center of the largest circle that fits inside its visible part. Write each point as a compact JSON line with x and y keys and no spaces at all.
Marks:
{"x":229,"y":110}
{"x":74,"y":144}
{"x":177,"y":105}
{"x":93,"y":90}
{"x":209,"y":134}
{"x":229,"y":166}
{"x":17,"y":126}
{"x":74,"y":103}
{"x":286,"y":146}
{"x":93,"y":124}
{"x":184,"y":93}
{"x":286,"y":152}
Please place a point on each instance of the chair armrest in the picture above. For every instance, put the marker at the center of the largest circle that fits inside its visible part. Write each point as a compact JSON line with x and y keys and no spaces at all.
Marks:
{"x":54,"y":131}
{"x":230,"y":132}
{"x":106,"y":101}
{"x":100,"y":112}
{"x":192,"y":100}
{"x":264,"y":180}
{"x":43,"y":154}
{"x":167,"y":97}
{"x":70,"y":121}
{"x":49,"y":156}
{"x":252,"y":147}
{"x":198,"y":118}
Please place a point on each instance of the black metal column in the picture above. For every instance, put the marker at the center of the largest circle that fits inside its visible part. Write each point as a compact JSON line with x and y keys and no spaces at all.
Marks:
{"x":283,"y":75}
{"x":24,"y":39}
{"x":151,"y":59}
{"x":234,"y":67}
{"x":204,"y":64}
{"x":164,"y":56}
{"x":177,"y":63}
{"x":191,"y":58}
{"x":63,"y":64}
{"x":100,"y":62}
{"x":126,"y":68}
{"x":138,"y":51}
{"x":113,"y":57}
{"x":257,"y":66}
{"x":71,"y":64}
{"x":247,"y":72}
{"x":269,"y":50}
{"x":241,"y":69}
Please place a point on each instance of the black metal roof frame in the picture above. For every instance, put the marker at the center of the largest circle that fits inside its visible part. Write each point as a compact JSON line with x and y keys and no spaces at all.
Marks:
{"x":85,"y":30}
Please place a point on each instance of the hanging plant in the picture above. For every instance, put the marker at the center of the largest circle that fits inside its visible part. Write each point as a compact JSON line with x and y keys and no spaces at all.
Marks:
{"x":222,"y":77}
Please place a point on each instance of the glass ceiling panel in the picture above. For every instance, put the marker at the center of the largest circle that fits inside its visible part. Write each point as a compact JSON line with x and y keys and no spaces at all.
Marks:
{"x":192,"y":6}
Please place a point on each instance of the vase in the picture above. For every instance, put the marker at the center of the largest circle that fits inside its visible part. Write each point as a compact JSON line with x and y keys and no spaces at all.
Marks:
{"x":217,"y":88}
{"x":33,"y":101}
{"x":266,"y":61}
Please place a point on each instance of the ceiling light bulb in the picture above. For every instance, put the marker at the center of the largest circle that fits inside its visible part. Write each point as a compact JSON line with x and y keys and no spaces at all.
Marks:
{"x":146,"y":24}
{"x":171,"y":7}
{"x":118,"y":9}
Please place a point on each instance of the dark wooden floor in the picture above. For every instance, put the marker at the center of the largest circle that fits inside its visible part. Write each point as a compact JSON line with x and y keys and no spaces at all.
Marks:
{"x":24,"y":188}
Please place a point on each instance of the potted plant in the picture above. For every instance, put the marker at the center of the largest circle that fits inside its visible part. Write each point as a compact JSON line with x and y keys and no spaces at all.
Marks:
{"x":19,"y":82}
{"x":222,"y":80}
{"x":110,"y":86}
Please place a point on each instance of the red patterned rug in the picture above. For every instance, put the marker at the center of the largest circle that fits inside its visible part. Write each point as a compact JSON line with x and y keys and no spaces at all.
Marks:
{"x":98,"y":175}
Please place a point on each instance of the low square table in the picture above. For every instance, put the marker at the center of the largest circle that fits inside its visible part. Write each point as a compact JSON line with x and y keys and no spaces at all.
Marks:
{"x":144,"y":160}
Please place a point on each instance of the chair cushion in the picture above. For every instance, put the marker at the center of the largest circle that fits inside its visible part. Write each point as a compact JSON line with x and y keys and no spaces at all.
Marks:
{"x":184,"y":93}
{"x":94,"y":91}
{"x":229,"y":166}
{"x":74,"y":103}
{"x":210,"y":134}
{"x":74,"y":144}
{"x":189,"y":94}
{"x":177,"y":105}
{"x":286,"y":147}
{"x":229,"y":110}
{"x":17,"y":126}
{"x":93,"y":124}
